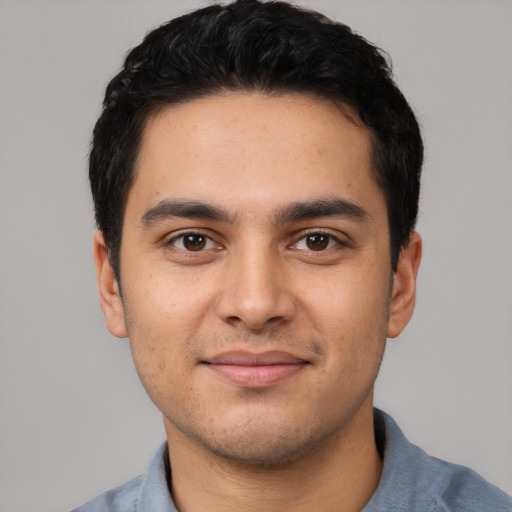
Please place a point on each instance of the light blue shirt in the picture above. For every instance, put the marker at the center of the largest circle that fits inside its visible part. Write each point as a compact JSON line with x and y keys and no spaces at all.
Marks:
{"x":411,"y":481}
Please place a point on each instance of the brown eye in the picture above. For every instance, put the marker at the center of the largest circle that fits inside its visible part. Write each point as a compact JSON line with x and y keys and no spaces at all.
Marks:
{"x":194,"y":242}
{"x":317,"y":242}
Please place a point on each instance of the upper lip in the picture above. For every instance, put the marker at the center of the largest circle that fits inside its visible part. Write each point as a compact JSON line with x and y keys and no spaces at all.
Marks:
{"x":244,"y":358}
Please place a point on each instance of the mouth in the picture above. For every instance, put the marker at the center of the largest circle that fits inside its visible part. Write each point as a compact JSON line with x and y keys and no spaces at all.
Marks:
{"x":255,"y":370}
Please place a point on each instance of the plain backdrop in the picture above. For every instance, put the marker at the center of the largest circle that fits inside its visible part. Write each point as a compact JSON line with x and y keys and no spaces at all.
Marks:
{"x":74,"y":419}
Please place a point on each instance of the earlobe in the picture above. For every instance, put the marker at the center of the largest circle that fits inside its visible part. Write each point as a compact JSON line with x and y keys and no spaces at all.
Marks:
{"x":403,"y":293}
{"x":108,"y":287}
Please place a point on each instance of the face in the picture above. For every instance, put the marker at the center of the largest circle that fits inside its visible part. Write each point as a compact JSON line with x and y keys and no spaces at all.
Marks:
{"x":257,"y":290}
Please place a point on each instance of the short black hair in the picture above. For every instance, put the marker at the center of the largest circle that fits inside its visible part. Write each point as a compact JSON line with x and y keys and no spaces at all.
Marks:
{"x":250,"y":45}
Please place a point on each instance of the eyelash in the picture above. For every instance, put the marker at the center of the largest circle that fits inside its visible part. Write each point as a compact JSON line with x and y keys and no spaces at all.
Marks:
{"x":208,"y":240}
{"x":332,"y":240}
{"x":182,"y":236}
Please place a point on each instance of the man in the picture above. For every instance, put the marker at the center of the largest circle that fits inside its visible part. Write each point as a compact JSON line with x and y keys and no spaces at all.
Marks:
{"x":255,"y":174}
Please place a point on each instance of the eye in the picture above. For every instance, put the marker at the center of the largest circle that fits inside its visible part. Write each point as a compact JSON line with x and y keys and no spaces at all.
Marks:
{"x":192,"y":242}
{"x":316,"y":242}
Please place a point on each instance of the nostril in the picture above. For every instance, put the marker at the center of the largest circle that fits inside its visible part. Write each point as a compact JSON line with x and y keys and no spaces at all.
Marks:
{"x":255,"y":294}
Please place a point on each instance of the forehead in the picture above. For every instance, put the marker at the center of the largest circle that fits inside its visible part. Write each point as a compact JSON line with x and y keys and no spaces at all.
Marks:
{"x":256,"y":150}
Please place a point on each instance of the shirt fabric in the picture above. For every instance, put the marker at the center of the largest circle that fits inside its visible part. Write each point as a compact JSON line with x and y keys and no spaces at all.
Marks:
{"x":411,"y":481}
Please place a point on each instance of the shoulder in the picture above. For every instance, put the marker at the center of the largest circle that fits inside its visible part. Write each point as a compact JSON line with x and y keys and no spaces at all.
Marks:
{"x":461,"y":489}
{"x":147,"y":492}
{"x":413,"y":480}
{"x":120,"y":499}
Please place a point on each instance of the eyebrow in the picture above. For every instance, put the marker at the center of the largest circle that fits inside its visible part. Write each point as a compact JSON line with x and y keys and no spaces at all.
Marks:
{"x":167,"y":209}
{"x":296,"y":211}
{"x":335,"y":207}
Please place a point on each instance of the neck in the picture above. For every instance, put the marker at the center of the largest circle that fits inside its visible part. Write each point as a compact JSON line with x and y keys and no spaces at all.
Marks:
{"x":341,"y":474}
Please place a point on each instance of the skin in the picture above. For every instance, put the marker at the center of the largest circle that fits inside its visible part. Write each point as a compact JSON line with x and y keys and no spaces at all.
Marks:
{"x":259,"y":274}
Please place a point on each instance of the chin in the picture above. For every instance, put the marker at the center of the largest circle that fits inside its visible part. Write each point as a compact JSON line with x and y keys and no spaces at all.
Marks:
{"x":255,"y":444}
{"x":263,"y":453}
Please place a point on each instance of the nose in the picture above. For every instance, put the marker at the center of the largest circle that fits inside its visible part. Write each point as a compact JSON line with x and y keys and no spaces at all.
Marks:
{"x":256,"y":292}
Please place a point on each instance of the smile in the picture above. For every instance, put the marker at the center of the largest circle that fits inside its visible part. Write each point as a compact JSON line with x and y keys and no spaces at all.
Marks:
{"x":251,"y":370}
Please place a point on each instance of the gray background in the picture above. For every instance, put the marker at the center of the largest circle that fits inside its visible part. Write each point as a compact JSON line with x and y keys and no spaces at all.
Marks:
{"x":74,"y":420}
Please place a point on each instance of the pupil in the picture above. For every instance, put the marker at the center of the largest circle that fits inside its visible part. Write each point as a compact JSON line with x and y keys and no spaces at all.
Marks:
{"x":194,"y":242}
{"x":317,"y":242}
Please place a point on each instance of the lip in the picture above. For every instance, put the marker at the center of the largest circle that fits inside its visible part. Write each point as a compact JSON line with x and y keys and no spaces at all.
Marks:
{"x":255,"y":370}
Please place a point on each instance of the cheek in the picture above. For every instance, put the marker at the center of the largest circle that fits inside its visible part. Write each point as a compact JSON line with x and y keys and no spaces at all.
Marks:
{"x":160,"y":354}
{"x":350,"y":315}
{"x":164,"y":311}
{"x":168,"y":301}
{"x":347,"y":297}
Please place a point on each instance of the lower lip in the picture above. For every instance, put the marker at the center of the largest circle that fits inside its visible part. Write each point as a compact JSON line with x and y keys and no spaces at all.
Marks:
{"x":255,"y":376}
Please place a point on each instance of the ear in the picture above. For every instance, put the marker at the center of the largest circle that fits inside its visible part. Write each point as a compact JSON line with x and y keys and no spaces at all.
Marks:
{"x":110,"y":296}
{"x":403,"y":293}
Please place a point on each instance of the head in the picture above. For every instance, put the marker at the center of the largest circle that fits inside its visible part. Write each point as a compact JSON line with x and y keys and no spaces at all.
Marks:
{"x":245,"y":46}
{"x":255,"y":173}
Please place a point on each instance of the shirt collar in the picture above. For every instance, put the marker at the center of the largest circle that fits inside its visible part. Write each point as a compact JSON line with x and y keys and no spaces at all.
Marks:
{"x":408,"y":475}
{"x":154,"y":494}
